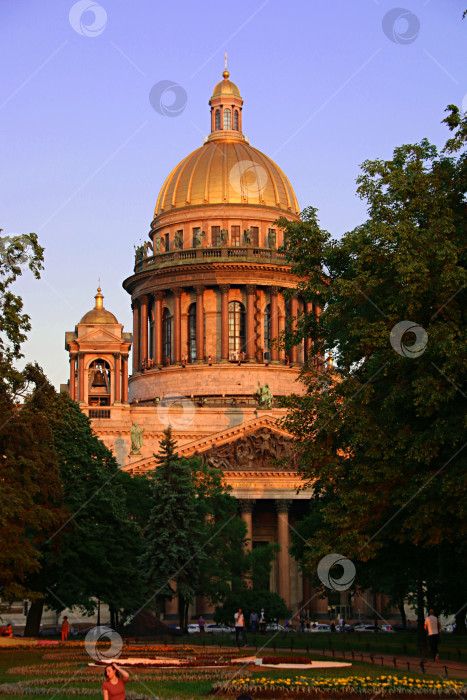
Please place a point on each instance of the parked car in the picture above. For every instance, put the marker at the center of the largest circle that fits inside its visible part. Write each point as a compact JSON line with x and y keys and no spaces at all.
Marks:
{"x":276,"y":627}
{"x":319,"y":628}
{"x":55,"y":630}
{"x":346,"y":628}
{"x":193,"y":628}
{"x":449,"y":628}
{"x":387,"y":628}
{"x":215,"y":629}
{"x":365,"y":628}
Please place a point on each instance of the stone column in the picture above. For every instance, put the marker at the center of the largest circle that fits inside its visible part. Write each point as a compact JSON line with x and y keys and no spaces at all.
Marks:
{"x":294,"y":314}
{"x":72,"y":376}
{"x":144,"y":330}
{"x":274,"y":327}
{"x":250,"y":322}
{"x":125,"y":378}
{"x":224,"y":321}
{"x":177,"y":292}
{"x":199,"y":323}
{"x":81,"y":377}
{"x":308,"y":341}
{"x":117,"y":379}
{"x":135,"y":336}
{"x":158,"y":297}
{"x":246,"y":511}
{"x":283,"y":561}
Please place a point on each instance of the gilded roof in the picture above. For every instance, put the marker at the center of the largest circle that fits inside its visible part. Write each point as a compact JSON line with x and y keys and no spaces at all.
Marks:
{"x":226,"y":171}
{"x":98,"y":314}
{"x":226,"y":87}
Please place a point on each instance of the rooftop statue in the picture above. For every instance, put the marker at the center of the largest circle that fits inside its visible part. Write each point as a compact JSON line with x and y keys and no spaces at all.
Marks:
{"x":136,"y":433}
{"x":264,"y":395}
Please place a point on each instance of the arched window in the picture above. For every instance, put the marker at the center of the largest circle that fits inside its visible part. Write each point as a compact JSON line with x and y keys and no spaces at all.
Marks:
{"x":166,"y":335}
{"x":236,"y":328}
{"x":227,"y":118}
{"x":218,"y":119}
{"x":236,"y":120}
{"x":267,"y":329}
{"x":99,"y":383}
{"x":192,"y":333}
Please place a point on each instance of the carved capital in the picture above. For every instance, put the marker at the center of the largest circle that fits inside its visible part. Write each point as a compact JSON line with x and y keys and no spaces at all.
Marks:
{"x":158,"y":296}
{"x":250,"y":288}
{"x":199,"y":289}
{"x":273,"y":291}
{"x":282,"y":505}
{"x":246,"y":504}
{"x":177,"y":291}
{"x":224,"y":288}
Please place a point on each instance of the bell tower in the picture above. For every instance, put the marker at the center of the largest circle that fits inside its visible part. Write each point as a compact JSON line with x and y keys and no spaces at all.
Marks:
{"x":98,"y":351}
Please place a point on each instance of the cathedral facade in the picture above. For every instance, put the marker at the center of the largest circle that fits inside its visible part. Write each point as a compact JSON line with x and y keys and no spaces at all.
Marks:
{"x":207,"y":294}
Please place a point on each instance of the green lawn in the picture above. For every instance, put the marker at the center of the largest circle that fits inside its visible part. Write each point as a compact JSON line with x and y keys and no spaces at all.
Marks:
{"x":62,"y":670}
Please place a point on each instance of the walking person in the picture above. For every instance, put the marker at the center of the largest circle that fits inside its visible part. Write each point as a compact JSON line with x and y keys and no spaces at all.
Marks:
{"x":113,"y":686}
{"x":254,"y":622}
{"x":433,"y":628}
{"x":201,"y":623}
{"x":240,"y":628}
{"x":262,"y":622}
{"x":65,"y":629}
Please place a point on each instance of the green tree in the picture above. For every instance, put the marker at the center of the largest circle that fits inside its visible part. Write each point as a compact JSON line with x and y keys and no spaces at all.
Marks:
{"x":93,"y":554}
{"x":381,"y":436}
{"x":171,"y":561}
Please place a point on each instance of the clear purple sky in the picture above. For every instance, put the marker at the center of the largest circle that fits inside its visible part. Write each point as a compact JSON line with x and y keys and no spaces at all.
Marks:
{"x":84,"y":153}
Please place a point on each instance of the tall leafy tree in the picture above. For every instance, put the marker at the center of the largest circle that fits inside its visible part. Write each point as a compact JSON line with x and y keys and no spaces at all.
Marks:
{"x":381,"y":435}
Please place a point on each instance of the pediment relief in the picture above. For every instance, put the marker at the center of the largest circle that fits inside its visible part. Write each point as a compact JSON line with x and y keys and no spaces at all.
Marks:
{"x":263,"y":449}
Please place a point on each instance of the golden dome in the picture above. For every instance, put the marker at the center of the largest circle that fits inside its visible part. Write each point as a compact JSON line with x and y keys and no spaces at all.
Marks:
{"x":226,"y":87}
{"x":226,"y":171}
{"x":98,"y":314}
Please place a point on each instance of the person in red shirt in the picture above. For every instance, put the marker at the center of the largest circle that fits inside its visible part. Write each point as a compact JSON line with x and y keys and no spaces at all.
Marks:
{"x":65,"y":629}
{"x":114,"y":685}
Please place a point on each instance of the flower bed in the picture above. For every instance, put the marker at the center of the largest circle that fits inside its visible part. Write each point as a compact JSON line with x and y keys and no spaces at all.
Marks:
{"x":361,"y":685}
{"x":285,"y":660}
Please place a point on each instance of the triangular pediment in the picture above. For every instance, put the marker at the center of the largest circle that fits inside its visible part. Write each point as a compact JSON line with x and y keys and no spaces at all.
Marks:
{"x":255,"y":445}
{"x":100,"y":335}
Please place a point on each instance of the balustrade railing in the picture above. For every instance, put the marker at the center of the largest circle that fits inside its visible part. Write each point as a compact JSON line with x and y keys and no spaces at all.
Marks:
{"x":207,"y":254}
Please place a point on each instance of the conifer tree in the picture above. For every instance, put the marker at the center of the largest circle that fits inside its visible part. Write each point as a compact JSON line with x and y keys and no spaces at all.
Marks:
{"x":173,"y":553}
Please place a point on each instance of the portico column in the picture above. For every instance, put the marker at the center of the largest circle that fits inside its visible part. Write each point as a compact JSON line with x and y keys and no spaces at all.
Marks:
{"x":177,"y":292}
{"x":283,"y":560}
{"x":294,"y":314}
{"x":199,"y":323}
{"x":125,"y":378}
{"x":250,"y":322}
{"x":81,"y":377}
{"x":158,"y":297}
{"x":274,"y":330}
{"x":135,"y":336}
{"x":224,"y":321}
{"x":308,"y":340}
{"x":144,"y":330}
{"x":246,"y":511}
{"x":72,"y":376}
{"x":117,"y":378}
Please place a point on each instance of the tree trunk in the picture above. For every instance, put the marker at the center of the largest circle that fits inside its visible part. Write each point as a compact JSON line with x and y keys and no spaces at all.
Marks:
{"x":33,"y":620}
{"x":421,"y":639}
{"x":403,"y":615}
{"x":460,"y":622}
